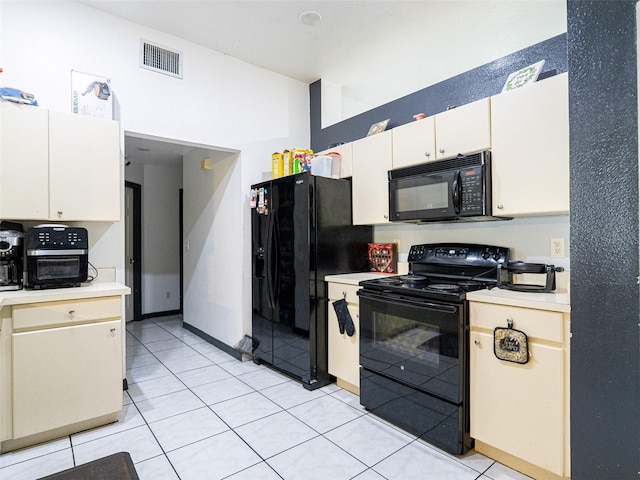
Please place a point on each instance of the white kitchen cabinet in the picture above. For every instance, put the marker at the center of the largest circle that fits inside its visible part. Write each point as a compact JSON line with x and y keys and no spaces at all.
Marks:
{"x":530,"y":149}
{"x":519,"y":412}
{"x":344,"y":351}
{"x":58,"y":166}
{"x":24,"y":168}
{"x":370,"y":189}
{"x":414,"y":143}
{"x":64,"y":368}
{"x":464,"y":129}
{"x":84,"y":163}
{"x":345,"y":158}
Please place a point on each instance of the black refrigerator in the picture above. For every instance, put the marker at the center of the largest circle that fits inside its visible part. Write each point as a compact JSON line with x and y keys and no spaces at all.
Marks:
{"x":301,"y":231}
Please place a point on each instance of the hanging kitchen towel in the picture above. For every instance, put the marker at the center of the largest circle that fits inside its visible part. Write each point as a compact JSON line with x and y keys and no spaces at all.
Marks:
{"x":345,"y":322}
{"x":510,"y":344}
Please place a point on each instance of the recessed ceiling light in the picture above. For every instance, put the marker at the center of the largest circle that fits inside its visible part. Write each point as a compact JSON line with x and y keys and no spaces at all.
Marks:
{"x":310,"y":18}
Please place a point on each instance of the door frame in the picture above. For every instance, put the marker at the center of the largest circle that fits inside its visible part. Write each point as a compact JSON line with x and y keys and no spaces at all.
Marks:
{"x":136,"y":291}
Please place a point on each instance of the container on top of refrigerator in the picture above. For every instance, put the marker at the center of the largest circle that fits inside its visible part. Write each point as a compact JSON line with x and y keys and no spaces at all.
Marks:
{"x":277,"y":165}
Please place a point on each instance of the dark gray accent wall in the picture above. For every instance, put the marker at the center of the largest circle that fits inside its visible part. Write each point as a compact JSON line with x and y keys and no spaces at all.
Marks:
{"x":467,"y":87}
{"x":605,"y":347}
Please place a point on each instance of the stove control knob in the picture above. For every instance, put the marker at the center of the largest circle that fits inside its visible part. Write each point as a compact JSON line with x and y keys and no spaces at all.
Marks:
{"x":486,"y":254}
{"x":497,"y":256}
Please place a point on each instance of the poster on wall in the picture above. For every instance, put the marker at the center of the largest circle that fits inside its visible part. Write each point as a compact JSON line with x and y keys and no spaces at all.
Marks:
{"x":91,"y":95}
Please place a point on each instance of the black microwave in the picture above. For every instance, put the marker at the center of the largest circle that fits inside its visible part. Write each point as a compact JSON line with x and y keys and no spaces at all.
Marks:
{"x":454,"y":189}
{"x":56,"y":256}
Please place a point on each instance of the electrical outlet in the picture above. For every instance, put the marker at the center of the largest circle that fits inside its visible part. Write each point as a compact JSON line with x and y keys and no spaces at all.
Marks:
{"x":557,"y":247}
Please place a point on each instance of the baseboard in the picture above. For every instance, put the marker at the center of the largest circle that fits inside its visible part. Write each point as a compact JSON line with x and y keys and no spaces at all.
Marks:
{"x":159,"y":314}
{"x":213,"y":341}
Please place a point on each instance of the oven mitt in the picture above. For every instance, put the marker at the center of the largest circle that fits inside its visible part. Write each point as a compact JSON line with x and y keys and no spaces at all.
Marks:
{"x":345,"y":322}
{"x":510,"y":345}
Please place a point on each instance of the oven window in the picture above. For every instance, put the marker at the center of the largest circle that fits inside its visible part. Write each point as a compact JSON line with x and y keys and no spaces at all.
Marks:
{"x":410,"y":339}
{"x":420,"y":346}
{"x":58,"y":268}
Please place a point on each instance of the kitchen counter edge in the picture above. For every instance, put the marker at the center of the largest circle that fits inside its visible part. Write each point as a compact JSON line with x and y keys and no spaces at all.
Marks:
{"x":102,"y":289}
{"x":557,"y":302}
{"x":356,"y":278}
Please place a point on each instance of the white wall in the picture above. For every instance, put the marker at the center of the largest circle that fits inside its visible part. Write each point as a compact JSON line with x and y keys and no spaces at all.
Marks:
{"x":161,"y":239}
{"x":220,"y":102}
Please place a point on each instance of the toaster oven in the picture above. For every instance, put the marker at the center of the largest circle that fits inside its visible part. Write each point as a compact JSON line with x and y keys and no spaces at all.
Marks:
{"x":56,"y":256}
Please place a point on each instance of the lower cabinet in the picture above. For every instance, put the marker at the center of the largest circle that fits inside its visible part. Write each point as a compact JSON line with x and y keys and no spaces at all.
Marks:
{"x":344,"y":350}
{"x":66,"y":368}
{"x":519,"y":412}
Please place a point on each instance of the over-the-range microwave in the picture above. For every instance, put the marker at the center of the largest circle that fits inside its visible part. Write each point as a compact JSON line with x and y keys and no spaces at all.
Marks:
{"x":455,"y":189}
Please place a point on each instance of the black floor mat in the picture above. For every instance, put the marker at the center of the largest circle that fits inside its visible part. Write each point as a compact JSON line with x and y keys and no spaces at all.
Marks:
{"x":114,"y":467}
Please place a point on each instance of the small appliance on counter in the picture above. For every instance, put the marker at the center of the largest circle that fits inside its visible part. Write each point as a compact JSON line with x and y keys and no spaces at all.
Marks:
{"x":11,"y":255}
{"x":57,"y":256}
{"x":507,"y":271}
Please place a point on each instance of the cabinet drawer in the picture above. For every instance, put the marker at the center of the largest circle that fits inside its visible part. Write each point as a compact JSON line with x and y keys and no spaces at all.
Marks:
{"x":541,"y":324}
{"x":52,"y":314}
{"x":339,"y":290}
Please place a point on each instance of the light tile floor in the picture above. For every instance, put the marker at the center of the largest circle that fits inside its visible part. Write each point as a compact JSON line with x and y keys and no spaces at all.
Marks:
{"x":194,"y":412}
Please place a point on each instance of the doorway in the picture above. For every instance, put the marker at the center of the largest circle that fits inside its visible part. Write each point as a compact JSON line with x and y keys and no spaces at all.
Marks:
{"x":133,"y":251}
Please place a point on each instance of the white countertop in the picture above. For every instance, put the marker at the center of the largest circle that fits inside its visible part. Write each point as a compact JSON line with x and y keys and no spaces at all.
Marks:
{"x":356,"y":278}
{"x":99,"y":289}
{"x":558,"y":301}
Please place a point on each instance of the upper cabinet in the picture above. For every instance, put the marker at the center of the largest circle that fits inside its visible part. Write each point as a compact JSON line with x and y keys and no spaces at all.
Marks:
{"x":345,"y":158}
{"x":369,"y":184}
{"x":530,"y":149}
{"x":84,"y":168}
{"x":463,"y":129}
{"x":414,"y":143}
{"x":24,"y":166}
{"x":58,"y":166}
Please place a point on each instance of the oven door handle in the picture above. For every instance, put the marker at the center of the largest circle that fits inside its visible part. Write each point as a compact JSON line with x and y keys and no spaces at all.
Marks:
{"x":404,"y":301}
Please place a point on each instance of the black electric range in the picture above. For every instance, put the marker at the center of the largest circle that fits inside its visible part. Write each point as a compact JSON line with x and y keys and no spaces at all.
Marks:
{"x":414,"y":340}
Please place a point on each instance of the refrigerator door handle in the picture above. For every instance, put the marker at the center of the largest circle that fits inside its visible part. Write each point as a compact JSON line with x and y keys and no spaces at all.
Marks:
{"x":275,"y":287}
{"x":269,"y":263}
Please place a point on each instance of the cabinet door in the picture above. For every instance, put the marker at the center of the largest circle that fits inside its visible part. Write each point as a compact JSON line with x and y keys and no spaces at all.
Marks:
{"x":519,"y":408}
{"x":345,"y":158}
{"x":84,"y":160}
{"x":463,"y":129}
{"x":530,"y":149}
{"x":414,"y":143}
{"x":24,"y":167}
{"x":370,"y":188}
{"x":66,"y":375}
{"x":344,"y":351}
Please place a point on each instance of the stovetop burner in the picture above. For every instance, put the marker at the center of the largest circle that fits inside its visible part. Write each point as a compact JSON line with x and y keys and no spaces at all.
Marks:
{"x":414,"y":279}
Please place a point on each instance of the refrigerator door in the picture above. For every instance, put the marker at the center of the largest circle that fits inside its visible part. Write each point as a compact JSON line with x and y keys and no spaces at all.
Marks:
{"x":291,"y":235}
{"x":263,"y":301}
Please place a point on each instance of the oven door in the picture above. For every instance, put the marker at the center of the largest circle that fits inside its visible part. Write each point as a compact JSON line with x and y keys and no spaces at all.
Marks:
{"x":416,"y":342}
{"x":56,"y":268}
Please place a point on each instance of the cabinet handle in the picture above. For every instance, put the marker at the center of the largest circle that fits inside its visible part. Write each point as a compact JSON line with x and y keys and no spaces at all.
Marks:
{"x":72,"y":312}
{"x":477,"y":342}
{"x":59,"y":212}
{"x":500,"y":206}
{"x":112,"y":330}
{"x":441,"y":150}
{"x":427,"y":154}
{"x":386,"y":217}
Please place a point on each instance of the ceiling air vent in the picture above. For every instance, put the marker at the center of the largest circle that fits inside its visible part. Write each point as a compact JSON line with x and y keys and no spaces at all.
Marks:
{"x":160,"y":59}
